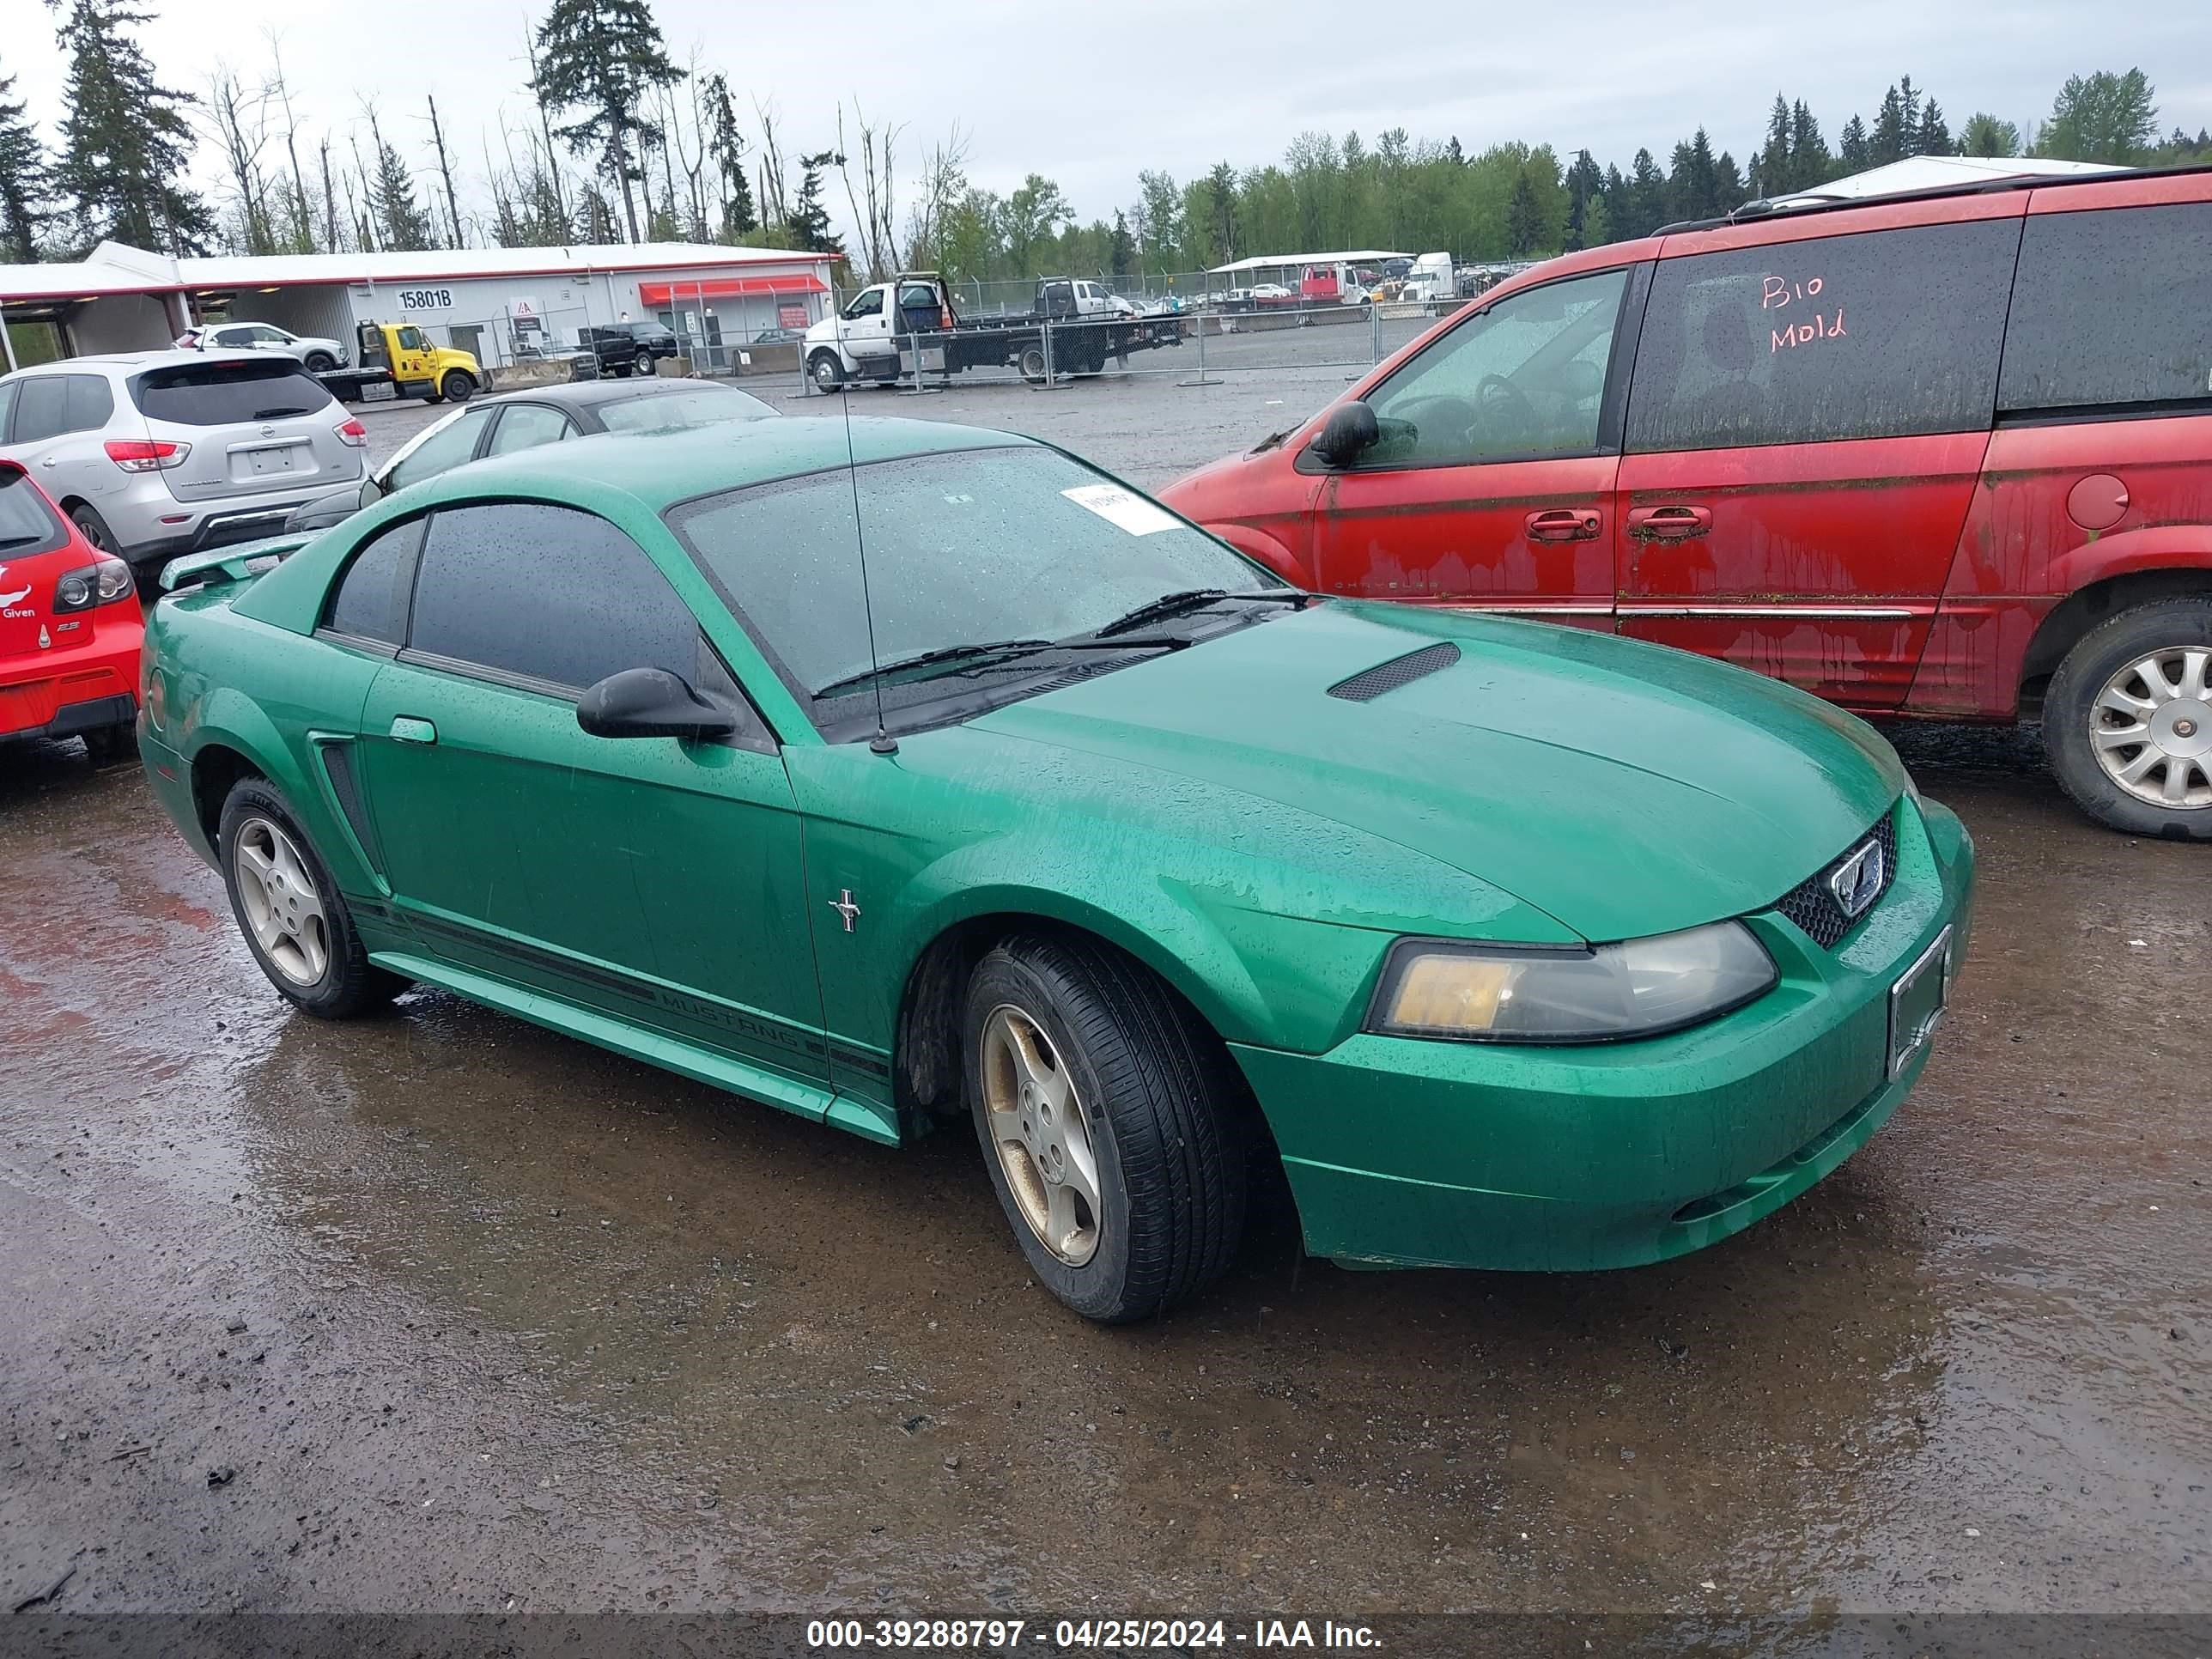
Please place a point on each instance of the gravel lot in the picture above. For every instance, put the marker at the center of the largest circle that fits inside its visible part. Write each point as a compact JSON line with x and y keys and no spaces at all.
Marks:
{"x":443,"y":1311}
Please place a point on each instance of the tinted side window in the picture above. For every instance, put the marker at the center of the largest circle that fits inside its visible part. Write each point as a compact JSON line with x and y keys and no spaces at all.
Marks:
{"x":442,"y":449}
{"x":1873,"y":335}
{"x":8,"y":390}
{"x":547,"y":593}
{"x":1525,"y":378}
{"x":2112,"y":307}
{"x":525,"y":426}
{"x":88,"y":404}
{"x":372,"y":598}
{"x":41,"y":409}
{"x":229,"y":394}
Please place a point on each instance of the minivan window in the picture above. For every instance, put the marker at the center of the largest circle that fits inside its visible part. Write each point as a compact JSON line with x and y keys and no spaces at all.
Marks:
{"x":2109,"y":308}
{"x":1878,"y":335}
{"x":229,"y":394}
{"x":547,"y":594}
{"x":1526,"y":377}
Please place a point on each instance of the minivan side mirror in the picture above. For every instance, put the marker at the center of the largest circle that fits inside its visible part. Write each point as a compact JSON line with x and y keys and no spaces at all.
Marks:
{"x":650,"y":703}
{"x":1351,"y":429}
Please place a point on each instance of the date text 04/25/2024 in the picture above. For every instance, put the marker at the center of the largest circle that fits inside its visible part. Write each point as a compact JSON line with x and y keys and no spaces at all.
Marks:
{"x":1075,"y":1635}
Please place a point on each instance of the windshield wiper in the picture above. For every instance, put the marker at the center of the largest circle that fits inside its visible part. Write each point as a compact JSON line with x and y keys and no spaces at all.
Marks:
{"x":1008,"y":649}
{"x":1192,"y":598}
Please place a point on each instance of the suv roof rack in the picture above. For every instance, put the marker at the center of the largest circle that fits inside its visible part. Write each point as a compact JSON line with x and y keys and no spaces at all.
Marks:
{"x":1816,"y":201}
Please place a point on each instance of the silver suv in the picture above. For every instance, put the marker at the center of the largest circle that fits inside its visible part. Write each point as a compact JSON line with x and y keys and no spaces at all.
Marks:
{"x":162,"y":453}
{"x":320,"y":355}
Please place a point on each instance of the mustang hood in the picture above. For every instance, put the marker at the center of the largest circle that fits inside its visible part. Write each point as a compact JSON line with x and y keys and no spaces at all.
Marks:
{"x":1623,"y":788}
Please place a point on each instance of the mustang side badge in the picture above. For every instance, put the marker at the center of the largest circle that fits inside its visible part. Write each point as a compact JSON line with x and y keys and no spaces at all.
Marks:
{"x":843,"y":905}
{"x":1858,"y":878}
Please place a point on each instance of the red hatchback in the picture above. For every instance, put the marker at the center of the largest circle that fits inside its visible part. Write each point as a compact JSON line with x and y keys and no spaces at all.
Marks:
{"x":1947,"y":455}
{"x":70,"y":627}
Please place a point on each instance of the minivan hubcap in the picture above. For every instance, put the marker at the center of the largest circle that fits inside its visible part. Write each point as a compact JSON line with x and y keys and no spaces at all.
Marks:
{"x":282,"y":907}
{"x":2151,"y":727}
{"x":1038,"y":1130}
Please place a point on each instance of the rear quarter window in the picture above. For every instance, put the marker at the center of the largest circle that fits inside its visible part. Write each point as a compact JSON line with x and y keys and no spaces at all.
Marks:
{"x":229,"y":394}
{"x":1879,"y":335}
{"x":2111,"y":308}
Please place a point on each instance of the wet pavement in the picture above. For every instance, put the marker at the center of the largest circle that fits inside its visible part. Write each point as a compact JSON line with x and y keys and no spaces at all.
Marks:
{"x":440,"y":1310}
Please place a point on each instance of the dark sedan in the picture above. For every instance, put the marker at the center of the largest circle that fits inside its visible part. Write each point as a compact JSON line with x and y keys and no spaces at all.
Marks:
{"x":524,"y":420}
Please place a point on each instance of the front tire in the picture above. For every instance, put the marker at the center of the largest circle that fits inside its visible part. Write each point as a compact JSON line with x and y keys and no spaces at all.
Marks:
{"x":457,"y":386}
{"x":2128,"y":721}
{"x":292,"y":915}
{"x":320,"y":362}
{"x":1107,"y":1115}
{"x":826,"y":372}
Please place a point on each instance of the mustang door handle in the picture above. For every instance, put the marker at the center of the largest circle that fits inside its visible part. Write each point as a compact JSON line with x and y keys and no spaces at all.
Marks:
{"x":1561,"y":525}
{"x":407,"y":729}
{"x":1669,"y":524}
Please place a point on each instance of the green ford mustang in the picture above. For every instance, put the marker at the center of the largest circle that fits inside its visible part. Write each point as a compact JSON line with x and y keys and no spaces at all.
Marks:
{"x":1518,"y":947}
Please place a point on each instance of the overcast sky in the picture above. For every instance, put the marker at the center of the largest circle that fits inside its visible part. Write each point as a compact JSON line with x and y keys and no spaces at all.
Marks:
{"x":1087,"y":91}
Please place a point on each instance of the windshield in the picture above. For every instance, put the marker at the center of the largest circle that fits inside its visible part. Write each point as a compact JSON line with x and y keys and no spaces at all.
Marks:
{"x":674,"y":411}
{"x":976,"y":546}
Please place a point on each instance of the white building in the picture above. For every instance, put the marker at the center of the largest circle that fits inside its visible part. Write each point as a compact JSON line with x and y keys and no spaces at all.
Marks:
{"x":491,"y":302}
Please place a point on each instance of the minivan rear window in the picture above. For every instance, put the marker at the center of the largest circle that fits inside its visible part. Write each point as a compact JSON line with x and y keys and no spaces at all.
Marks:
{"x":1878,"y":335}
{"x":229,"y":394}
{"x":2111,"y":307}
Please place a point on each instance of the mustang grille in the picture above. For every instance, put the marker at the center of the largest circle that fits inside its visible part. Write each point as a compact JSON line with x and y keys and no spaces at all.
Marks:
{"x":1370,"y":683}
{"x":1812,"y":903}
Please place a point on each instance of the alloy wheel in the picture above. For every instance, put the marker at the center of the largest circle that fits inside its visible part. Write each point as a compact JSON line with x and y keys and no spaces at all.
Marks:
{"x":2151,"y":728}
{"x":282,"y":906}
{"x":1038,"y":1129}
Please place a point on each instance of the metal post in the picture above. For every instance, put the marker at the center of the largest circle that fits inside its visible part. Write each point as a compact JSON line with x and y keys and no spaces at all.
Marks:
{"x":1374,"y":328}
{"x":1202,"y":380}
{"x":1047,"y":351}
{"x":913,"y":344}
{"x":7,"y":341}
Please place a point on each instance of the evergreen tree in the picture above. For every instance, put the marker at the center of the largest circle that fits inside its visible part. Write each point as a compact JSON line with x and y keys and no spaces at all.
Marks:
{"x":1890,"y":128}
{"x":1985,"y":135}
{"x":809,"y":223}
{"x":1585,"y":184}
{"x":1769,"y":168}
{"x":1809,"y":162}
{"x":1933,"y":135}
{"x":402,"y":226}
{"x":2103,"y":117}
{"x":1853,"y":148}
{"x":726,"y":145}
{"x":1597,"y":224}
{"x":124,"y":138}
{"x":603,"y":58}
{"x":1728,"y":191}
{"x":1122,"y":250}
{"x":1693,"y":182}
{"x":1645,"y":198}
{"x":1524,"y":219}
{"x":23,"y":187}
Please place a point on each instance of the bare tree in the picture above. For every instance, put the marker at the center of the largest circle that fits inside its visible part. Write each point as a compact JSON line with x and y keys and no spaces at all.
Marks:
{"x":331,"y":241}
{"x":360,"y":215}
{"x":544,"y":120}
{"x":302,"y":229}
{"x":445,"y":172}
{"x":944,"y":182}
{"x":774,"y":208}
{"x":239,"y":116}
{"x":874,"y":208}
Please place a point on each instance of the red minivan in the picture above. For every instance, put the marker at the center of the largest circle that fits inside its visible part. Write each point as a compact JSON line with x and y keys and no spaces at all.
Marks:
{"x":70,"y":627}
{"x":1947,"y":454}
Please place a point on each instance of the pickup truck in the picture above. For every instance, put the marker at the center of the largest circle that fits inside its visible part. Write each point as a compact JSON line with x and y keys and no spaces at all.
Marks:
{"x":874,"y":338}
{"x":625,"y":349}
{"x":397,"y":359}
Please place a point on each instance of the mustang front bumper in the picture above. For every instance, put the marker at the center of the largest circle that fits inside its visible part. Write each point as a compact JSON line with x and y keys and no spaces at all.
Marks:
{"x":1411,"y":1153}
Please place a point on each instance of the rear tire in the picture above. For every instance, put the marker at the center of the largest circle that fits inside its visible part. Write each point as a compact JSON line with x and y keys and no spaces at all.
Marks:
{"x":290,"y":913}
{"x":1030,"y":362}
{"x":456,"y":386}
{"x":826,"y":372}
{"x":1080,"y":1064}
{"x":93,"y":528}
{"x":2142,"y":674}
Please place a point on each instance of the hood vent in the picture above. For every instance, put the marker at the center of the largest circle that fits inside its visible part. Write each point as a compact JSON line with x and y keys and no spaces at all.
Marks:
{"x":1370,"y":683}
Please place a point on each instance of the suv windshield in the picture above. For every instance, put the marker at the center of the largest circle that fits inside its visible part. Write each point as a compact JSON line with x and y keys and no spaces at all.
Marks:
{"x":968,"y":547}
{"x":229,"y":394}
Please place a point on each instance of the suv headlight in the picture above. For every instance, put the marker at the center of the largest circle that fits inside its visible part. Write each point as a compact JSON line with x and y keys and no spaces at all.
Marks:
{"x":1544,"y":993}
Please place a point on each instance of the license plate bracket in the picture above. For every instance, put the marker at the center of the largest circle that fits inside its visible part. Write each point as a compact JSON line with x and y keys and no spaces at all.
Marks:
{"x":1917,"y":1002}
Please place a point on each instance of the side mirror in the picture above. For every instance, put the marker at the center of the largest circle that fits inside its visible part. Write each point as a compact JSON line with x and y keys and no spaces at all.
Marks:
{"x":372,"y":491}
{"x":650,"y":703}
{"x":1351,"y":429}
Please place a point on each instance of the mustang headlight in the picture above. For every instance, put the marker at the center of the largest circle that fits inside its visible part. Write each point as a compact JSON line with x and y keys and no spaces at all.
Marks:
{"x":1543,"y":993}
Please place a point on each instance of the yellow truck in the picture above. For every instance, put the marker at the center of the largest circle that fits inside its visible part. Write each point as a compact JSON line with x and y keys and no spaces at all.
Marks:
{"x":397,"y":359}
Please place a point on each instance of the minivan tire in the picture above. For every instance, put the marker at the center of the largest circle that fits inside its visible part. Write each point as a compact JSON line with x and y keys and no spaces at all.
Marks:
{"x":458,"y":387}
{"x":2162,"y":634}
{"x":1155,"y":1101}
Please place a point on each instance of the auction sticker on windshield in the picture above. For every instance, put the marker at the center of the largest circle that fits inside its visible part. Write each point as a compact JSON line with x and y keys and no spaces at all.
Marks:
{"x":1118,"y":506}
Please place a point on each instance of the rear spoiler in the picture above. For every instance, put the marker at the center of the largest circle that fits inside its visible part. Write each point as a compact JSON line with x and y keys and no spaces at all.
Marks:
{"x":228,"y":564}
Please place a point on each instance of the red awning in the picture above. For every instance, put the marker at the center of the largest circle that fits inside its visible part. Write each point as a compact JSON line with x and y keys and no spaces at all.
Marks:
{"x":726,"y":288}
